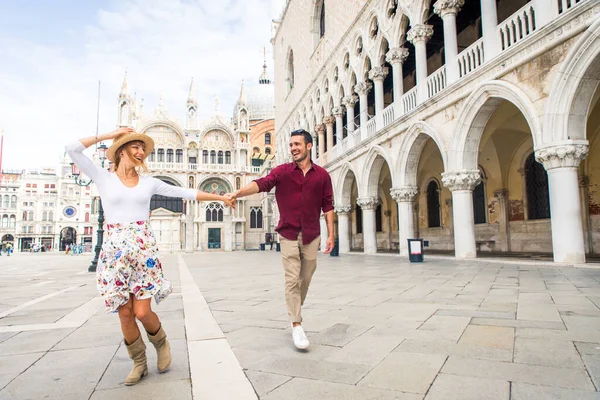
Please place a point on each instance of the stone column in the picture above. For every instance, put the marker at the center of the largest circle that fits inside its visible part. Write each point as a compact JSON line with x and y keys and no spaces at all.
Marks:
{"x":396,"y":57}
{"x":350,"y":102}
{"x":462,"y":184}
{"x":363,"y":89}
{"x":447,"y":10}
{"x":368,"y":206}
{"x":343,"y":227}
{"x":321,"y":132}
{"x":328,"y":121}
{"x":313,"y":151}
{"x":503,"y":222}
{"x":323,"y":226}
{"x":584,"y":185}
{"x":489,"y":24}
{"x":405,"y":197}
{"x":377,"y":75}
{"x":562,"y":163}
{"x":523,"y":172}
{"x":418,"y":35}
{"x":338,"y":113}
{"x":189,"y":226}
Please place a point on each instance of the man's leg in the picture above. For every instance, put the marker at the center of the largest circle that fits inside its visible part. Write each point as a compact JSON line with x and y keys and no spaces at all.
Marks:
{"x":290,"y":255}
{"x":308,"y":255}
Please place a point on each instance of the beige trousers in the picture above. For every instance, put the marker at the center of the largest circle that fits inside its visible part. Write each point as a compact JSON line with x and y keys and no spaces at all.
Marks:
{"x":299,"y":265}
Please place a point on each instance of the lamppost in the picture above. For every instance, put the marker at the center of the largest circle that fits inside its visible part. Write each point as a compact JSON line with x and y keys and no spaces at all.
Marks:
{"x":80,"y":182}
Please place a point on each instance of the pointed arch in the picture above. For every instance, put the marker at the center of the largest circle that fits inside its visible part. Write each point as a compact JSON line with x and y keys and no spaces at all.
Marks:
{"x":343,"y":188}
{"x":373,"y":165}
{"x":412,"y":145}
{"x":473,"y":117}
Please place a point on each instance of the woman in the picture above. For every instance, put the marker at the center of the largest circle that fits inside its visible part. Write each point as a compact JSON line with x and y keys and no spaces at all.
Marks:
{"x":129,"y":272}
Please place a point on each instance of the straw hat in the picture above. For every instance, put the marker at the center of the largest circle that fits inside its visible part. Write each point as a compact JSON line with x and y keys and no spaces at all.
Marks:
{"x":130,"y":137}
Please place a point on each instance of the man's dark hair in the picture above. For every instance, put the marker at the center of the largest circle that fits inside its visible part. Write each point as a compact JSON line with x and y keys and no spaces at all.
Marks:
{"x":302,"y":132}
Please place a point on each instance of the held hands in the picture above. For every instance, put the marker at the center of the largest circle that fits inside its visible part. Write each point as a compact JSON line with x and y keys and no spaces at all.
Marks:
{"x":328,"y":245}
{"x":229,"y":200}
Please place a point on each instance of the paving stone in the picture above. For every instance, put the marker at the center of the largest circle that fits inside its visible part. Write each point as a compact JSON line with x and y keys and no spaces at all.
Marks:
{"x":534,"y":374}
{"x":534,"y":333}
{"x":406,"y":372}
{"x":34,"y":341}
{"x":473,"y":313}
{"x":18,"y":363}
{"x":180,"y":390}
{"x":306,"y":389}
{"x":524,"y":391}
{"x":264,"y":382}
{"x":366,"y":350}
{"x":518,"y":323}
{"x":582,"y":323}
{"x":538,"y":312}
{"x":447,"y":348}
{"x":452,"y":387}
{"x":339,"y":334}
{"x":553,"y":353}
{"x":4,"y":380}
{"x":488,"y":336}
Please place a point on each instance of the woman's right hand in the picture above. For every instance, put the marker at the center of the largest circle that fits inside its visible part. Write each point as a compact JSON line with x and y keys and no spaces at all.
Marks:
{"x":117,"y":133}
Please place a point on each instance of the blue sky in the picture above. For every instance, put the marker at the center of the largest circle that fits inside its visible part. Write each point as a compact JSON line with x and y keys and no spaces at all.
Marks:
{"x":55,"y":52}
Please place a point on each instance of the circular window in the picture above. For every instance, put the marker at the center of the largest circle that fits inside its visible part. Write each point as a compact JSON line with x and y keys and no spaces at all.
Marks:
{"x":69,"y":211}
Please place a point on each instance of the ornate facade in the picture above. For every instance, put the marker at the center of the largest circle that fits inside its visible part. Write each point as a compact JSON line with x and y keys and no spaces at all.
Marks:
{"x":469,"y":123}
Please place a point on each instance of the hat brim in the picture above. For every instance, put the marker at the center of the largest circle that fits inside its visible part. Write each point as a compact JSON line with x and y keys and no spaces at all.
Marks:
{"x":131,"y":137}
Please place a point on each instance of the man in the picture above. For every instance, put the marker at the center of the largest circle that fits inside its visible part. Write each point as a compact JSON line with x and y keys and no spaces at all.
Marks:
{"x":303,"y":190}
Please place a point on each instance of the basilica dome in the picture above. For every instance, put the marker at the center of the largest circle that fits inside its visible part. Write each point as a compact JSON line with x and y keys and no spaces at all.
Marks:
{"x":259,"y":99}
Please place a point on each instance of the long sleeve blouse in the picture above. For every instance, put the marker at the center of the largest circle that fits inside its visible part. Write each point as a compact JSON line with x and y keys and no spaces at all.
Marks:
{"x":123,"y":204}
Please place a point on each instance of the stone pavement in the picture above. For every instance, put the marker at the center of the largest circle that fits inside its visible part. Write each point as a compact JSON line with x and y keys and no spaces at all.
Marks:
{"x":380,"y":328}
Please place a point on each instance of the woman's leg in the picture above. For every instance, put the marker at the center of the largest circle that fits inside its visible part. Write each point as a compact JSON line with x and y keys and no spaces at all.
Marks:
{"x":130,"y":329}
{"x":143,"y":311}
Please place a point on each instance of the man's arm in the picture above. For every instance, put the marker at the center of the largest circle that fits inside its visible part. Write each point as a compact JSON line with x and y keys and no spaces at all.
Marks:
{"x":260,"y":185}
{"x":248,"y":190}
{"x":330,"y":233}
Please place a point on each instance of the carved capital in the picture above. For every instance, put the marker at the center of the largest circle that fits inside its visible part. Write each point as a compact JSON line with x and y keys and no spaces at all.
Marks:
{"x":363,"y":88}
{"x":320,"y":128}
{"x":420,"y":33}
{"x":397,"y":55}
{"x":463,"y":180}
{"x":350,"y":101}
{"x":378,"y":73}
{"x":368,"y":203}
{"x":338,"y":111}
{"x":343,"y":209}
{"x":328,"y":120}
{"x":405,"y":194}
{"x":501,"y":194}
{"x":563,"y":156}
{"x":445,"y":7}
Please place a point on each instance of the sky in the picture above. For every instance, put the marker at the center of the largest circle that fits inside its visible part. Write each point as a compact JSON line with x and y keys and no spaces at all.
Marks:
{"x":54,"y":53}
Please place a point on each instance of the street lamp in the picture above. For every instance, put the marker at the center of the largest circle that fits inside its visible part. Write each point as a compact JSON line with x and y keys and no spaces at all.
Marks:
{"x":80,"y":182}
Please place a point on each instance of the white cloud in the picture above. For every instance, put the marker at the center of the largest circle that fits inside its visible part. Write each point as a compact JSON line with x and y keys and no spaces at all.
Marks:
{"x":48,"y":92}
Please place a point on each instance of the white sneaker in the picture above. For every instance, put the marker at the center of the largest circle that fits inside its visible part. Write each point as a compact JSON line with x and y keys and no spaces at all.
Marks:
{"x":300,"y":340}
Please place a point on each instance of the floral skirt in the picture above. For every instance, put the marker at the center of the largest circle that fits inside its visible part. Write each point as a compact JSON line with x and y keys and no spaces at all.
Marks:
{"x":128,"y":263}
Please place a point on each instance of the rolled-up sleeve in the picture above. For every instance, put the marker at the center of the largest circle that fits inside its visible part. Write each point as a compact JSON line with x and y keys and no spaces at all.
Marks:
{"x":267,"y":183}
{"x":327,"y":202}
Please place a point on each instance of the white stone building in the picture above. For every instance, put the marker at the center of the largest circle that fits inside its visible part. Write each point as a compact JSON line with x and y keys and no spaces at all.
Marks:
{"x":463,"y":122}
{"x":214,"y":156}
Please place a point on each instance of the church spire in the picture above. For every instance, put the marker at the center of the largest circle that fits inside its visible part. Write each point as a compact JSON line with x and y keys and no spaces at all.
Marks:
{"x":124,"y":88}
{"x":192,"y":94}
{"x":264,"y":77}
{"x":242,"y":99}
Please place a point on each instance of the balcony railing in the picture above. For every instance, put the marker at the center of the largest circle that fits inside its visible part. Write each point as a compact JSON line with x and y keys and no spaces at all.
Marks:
{"x":371,"y":127}
{"x":565,"y":5}
{"x":388,"y":115}
{"x":517,"y":27}
{"x":436,"y":82}
{"x":200,"y":167}
{"x":410,"y":100}
{"x":470,"y":58}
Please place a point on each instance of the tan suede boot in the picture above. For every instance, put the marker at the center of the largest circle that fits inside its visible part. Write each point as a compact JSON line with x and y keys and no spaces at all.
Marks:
{"x":163,"y":349}
{"x":137,"y":352}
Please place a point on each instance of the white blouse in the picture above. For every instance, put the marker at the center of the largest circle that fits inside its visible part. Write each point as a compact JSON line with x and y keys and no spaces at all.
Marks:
{"x":123,"y":204}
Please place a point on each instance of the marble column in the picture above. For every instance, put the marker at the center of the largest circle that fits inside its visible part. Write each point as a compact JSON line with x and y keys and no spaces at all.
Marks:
{"x":350,"y":102}
{"x":324,"y":232}
{"x":584,"y":193}
{"x":501,"y":196}
{"x":328,"y":121}
{"x":369,"y":206}
{"x":338,"y":113}
{"x":561,"y":163}
{"x":343,"y":227}
{"x":462,"y":184}
{"x":489,"y":24}
{"x":189,"y":226}
{"x":363,"y":89}
{"x":321,"y":132}
{"x":313,"y":151}
{"x":405,"y":197}
{"x":377,"y":75}
{"x":418,"y":35}
{"x":396,"y":57}
{"x":447,"y":10}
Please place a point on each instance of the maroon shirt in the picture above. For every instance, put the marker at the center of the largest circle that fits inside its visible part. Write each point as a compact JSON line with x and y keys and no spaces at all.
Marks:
{"x":300,"y":199}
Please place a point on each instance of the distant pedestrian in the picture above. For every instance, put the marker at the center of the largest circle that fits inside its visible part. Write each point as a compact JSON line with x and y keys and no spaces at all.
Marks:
{"x":303,"y":190}
{"x":9,"y":248}
{"x":129,"y":273}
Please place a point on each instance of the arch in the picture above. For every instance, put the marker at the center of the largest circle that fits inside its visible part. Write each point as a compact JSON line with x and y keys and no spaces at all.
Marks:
{"x":372,"y":169}
{"x":433,"y":193}
{"x":573,"y":88}
{"x":474,"y":115}
{"x":217,"y":127}
{"x":344,"y":185}
{"x":170,"y":124}
{"x":169,"y":179}
{"x":215,"y":185}
{"x":413,"y":142}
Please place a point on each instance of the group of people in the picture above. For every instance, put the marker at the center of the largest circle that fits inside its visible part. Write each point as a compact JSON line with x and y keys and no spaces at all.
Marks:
{"x":8,"y":248}
{"x":74,"y":249}
{"x":129,"y":272}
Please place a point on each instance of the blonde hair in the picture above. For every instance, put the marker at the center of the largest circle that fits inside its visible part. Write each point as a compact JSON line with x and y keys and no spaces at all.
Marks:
{"x":127,"y":148}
